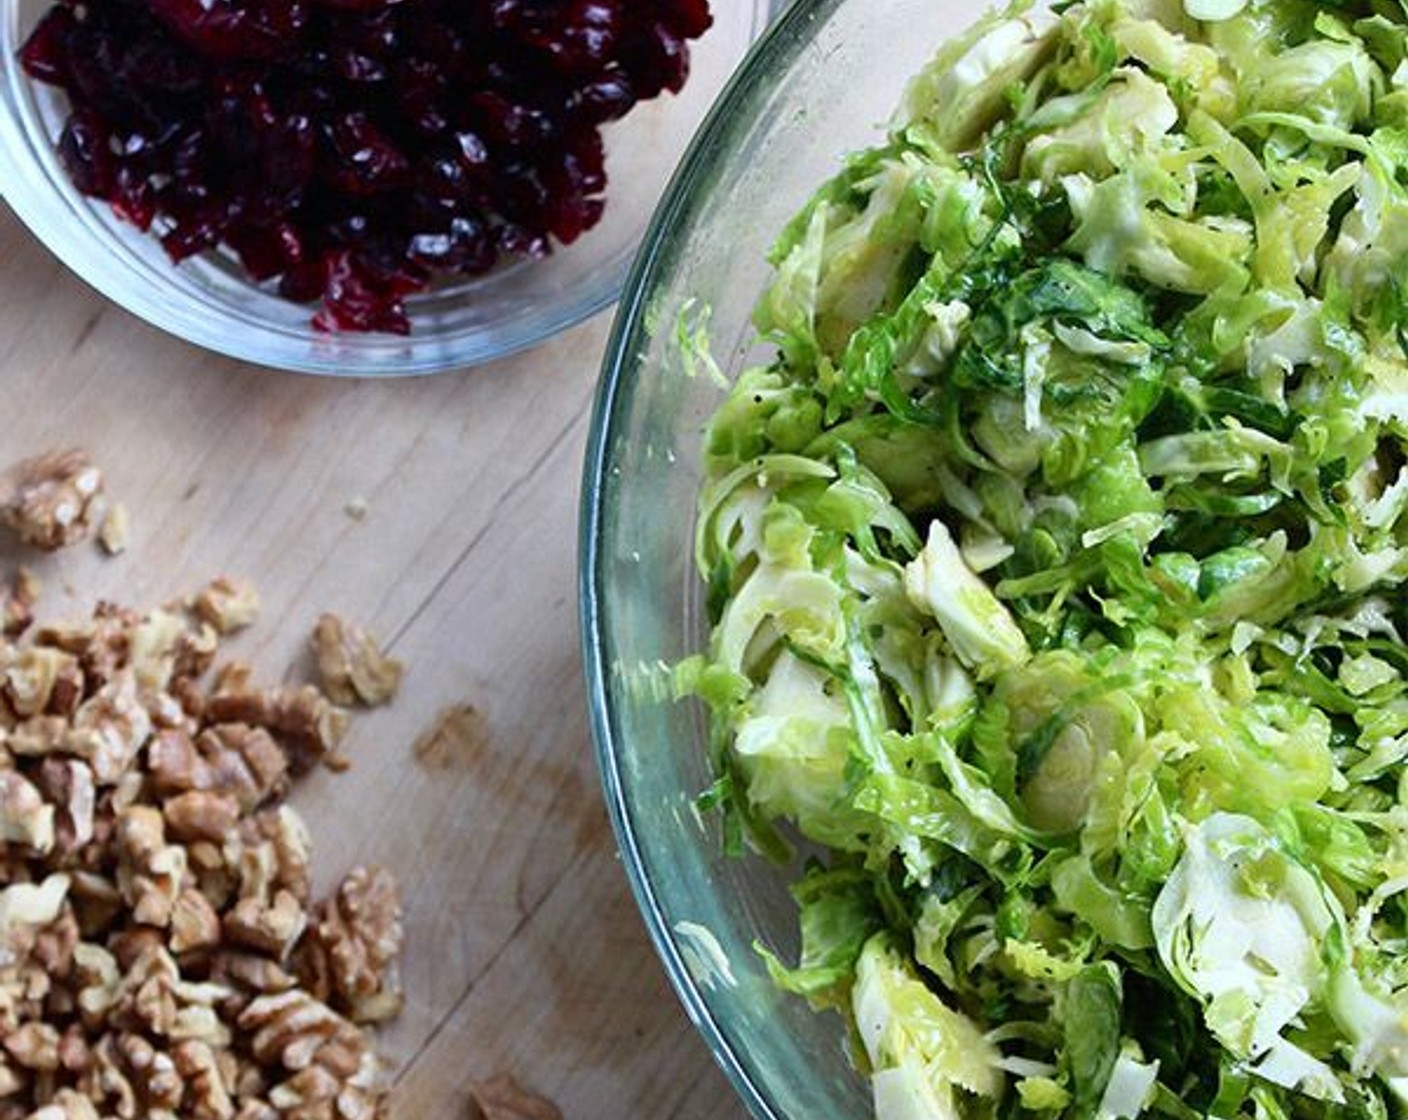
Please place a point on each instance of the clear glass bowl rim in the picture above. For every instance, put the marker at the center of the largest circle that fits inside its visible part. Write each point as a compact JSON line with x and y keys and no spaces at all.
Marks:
{"x":776,"y":52}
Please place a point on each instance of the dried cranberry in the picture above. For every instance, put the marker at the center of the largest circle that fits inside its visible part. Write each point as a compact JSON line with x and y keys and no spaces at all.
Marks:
{"x":45,"y":53}
{"x":362,"y":158}
{"x":581,"y":39}
{"x":85,"y":146}
{"x":466,"y":247}
{"x":422,"y":96}
{"x":659,"y":61}
{"x":288,"y":158}
{"x":133,"y":196}
{"x":519,"y":242}
{"x":568,"y":216}
{"x":199,"y":223}
{"x":350,"y":230}
{"x":266,"y":250}
{"x":234,"y":29}
{"x":689,"y":19}
{"x":354,"y":67}
{"x":510,"y":124}
{"x":305,"y":282}
{"x":445,"y":47}
{"x":354,"y":301}
{"x":607,"y":99}
{"x":506,"y":13}
{"x":354,"y":150}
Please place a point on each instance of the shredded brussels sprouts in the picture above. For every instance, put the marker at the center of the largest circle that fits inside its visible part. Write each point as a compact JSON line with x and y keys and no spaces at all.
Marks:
{"x":1056,"y":569}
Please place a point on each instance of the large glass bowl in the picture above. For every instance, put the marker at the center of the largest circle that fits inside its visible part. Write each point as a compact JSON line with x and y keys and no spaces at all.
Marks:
{"x":821,"y":84}
{"x":208,"y":302}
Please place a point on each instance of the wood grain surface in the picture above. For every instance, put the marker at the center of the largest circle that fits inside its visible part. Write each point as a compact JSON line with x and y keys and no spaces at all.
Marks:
{"x":525,"y":952}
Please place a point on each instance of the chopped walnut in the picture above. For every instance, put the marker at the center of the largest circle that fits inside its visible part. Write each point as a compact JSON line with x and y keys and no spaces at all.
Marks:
{"x":149,"y":870}
{"x":23,"y":989}
{"x":352,"y":666}
{"x":503,"y":1098}
{"x":312,"y":726}
{"x":201,"y":815}
{"x":24,"y":817}
{"x":226,"y":759}
{"x":34,"y":1046}
{"x":116,"y":530}
{"x":154,"y":1075}
{"x":293,"y":1030}
{"x":99,"y":979}
{"x":232,"y":677}
{"x":12,"y":1080}
{"x":228,"y":604}
{"x":151,"y":649}
{"x":17,"y":603}
{"x":110,"y":727}
{"x":66,"y":1105}
{"x":312,"y":1094}
{"x":194,"y":653}
{"x":38,"y":736}
{"x":40,"y":680}
{"x":26,"y":586}
{"x":51,"y":946}
{"x":308,"y":1093}
{"x":154,"y":991}
{"x":351,"y":954}
{"x":74,"y":1054}
{"x":14,"y":616}
{"x":198,"y":1068}
{"x":50,"y":498}
{"x":272,"y":928}
{"x":68,"y":785}
{"x":174,"y":763}
{"x":251,"y":970}
{"x":96,"y":902}
{"x":168,"y":961}
{"x":71,"y":637}
{"x":106,"y":1083}
{"x":195,"y":923}
{"x":307,"y":725}
{"x":243,"y":761}
{"x":293,"y":849}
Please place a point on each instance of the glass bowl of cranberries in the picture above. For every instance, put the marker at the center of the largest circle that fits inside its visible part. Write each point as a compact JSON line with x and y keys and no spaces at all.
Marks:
{"x":362,"y":187}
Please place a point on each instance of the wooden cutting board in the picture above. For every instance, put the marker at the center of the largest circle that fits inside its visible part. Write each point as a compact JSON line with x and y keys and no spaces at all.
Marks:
{"x":525,"y":952}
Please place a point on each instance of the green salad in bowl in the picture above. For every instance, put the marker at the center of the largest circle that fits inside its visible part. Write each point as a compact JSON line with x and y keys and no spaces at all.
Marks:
{"x":1055,"y":555}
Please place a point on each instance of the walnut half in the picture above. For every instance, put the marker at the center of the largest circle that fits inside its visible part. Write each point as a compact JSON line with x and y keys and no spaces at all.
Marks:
{"x":351,"y":664}
{"x":350,"y":954}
